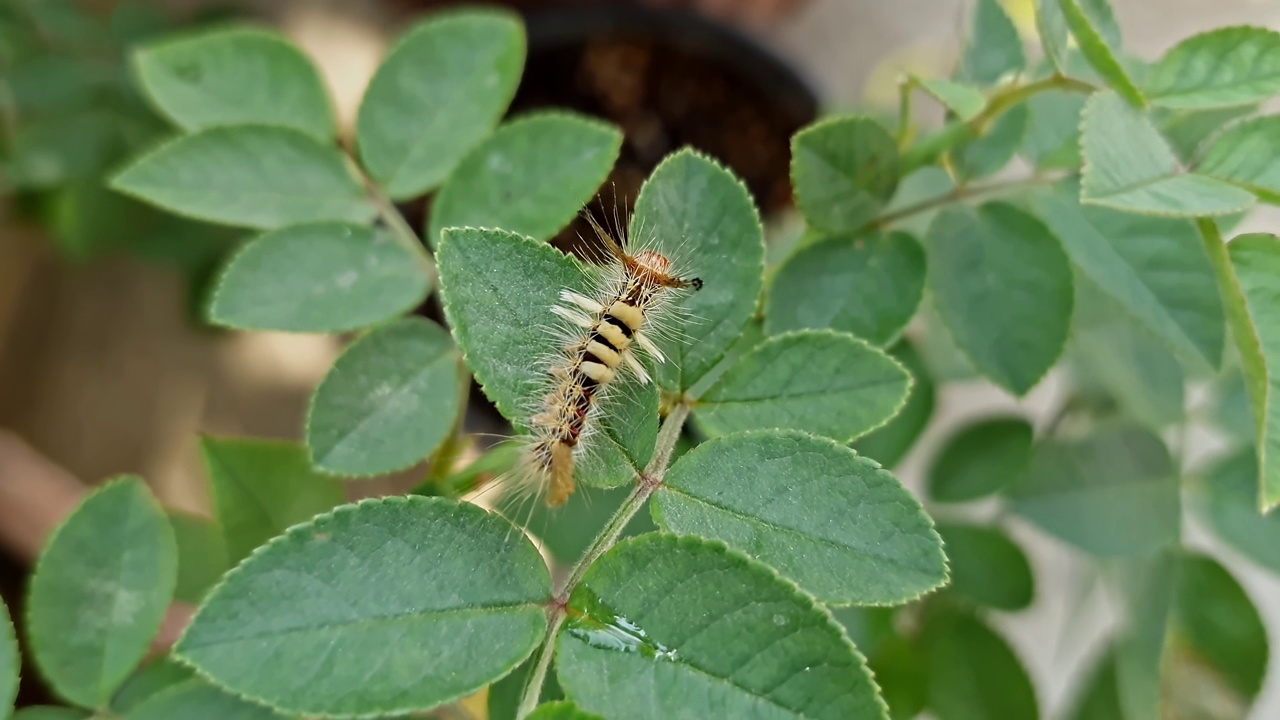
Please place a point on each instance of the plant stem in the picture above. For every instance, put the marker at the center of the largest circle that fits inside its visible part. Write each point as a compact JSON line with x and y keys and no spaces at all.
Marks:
{"x":1003,"y":101}
{"x":400,"y":229}
{"x":646,"y":483}
{"x":961,"y":131}
{"x":395,"y":222}
{"x":905,"y":90}
{"x":955,"y":195}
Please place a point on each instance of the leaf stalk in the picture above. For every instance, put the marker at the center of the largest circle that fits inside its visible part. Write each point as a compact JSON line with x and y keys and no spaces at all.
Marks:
{"x":647,"y":481}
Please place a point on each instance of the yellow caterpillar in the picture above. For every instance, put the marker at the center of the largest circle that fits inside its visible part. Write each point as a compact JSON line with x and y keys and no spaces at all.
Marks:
{"x":602,"y":338}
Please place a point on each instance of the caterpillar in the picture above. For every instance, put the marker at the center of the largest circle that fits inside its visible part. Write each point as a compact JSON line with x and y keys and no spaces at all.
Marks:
{"x":600,"y":344}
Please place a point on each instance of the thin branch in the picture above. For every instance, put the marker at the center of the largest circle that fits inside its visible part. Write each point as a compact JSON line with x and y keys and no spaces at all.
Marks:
{"x":958,"y":194}
{"x":395,"y":222}
{"x":648,"y":481}
{"x":961,"y":131}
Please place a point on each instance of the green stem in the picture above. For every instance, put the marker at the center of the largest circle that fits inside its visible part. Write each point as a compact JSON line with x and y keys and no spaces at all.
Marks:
{"x":905,"y":90}
{"x":395,"y":222}
{"x":960,"y":131}
{"x":400,"y":229}
{"x":646,"y":483}
{"x":964,"y":192}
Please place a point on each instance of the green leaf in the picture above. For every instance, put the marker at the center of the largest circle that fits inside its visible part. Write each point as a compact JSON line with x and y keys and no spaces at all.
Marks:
{"x":1117,"y":354}
{"x":838,"y":524}
{"x":1229,"y":407}
{"x":993,"y":48}
{"x":1220,"y":68}
{"x":631,"y":423}
{"x":963,"y":99}
{"x":1111,"y":494}
{"x":674,"y":628}
{"x":844,"y":170}
{"x":195,"y":700}
{"x":1129,"y":167}
{"x":890,"y":442}
{"x":869,"y":286}
{"x":326,"y":277}
{"x":261,"y":487}
{"x":822,"y":382}
{"x":248,"y":175}
{"x":390,"y":400}
{"x":49,"y":712}
{"x":561,"y":710}
{"x":1187,"y":130}
{"x":1248,"y":155}
{"x":1256,"y":259}
{"x":1055,"y":37}
{"x":1052,"y":140}
{"x":59,"y":150}
{"x":202,"y":556}
{"x":902,"y":673}
{"x":987,"y":566}
{"x":440,"y":91}
{"x":869,"y":627}
{"x":974,"y":674}
{"x":1103,"y":17}
{"x":1228,"y":500}
{"x":1100,"y":697}
{"x":45,"y":83}
{"x":1155,"y":268}
{"x":1214,"y":616}
{"x":234,"y":76}
{"x":695,"y":211}
{"x":981,"y":459}
{"x":10,"y":662}
{"x":1095,"y":31}
{"x":440,"y":597}
{"x":114,"y":560}
{"x":530,"y":176}
{"x":1148,"y":584}
{"x":154,"y":677}
{"x":1002,"y":285}
{"x":989,"y":153}
{"x":498,"y":289}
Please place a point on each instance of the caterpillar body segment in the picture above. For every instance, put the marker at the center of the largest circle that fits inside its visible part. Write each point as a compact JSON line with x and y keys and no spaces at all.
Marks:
{"x":600,"y":342}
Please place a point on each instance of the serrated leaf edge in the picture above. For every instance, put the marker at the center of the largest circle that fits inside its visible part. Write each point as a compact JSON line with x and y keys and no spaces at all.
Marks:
{"x":680,"y":155}
{"x":446,"y":189}
{"x":1070,"y":318}
{"x":876,"y":467}
{"x":443,"y":19}
{"x":250,"y":245}
{"x":288,"y":536}
{"x":767,"y":295}
{"x":833,"y":334}
{"x":804,"y":600}
{"x":452,"y":353}
{"x":1186,"y":43}
{"x":113,"y":181}
{"x":827,"y":124}
{"x":238,"y":30}
{"x":168,"y":539}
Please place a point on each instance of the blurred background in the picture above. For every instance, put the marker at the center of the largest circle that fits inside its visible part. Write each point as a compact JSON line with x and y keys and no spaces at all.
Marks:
{"x":105,"y":369}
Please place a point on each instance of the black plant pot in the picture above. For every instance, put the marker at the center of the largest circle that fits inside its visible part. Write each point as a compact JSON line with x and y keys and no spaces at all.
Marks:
{"x":668,"y":78}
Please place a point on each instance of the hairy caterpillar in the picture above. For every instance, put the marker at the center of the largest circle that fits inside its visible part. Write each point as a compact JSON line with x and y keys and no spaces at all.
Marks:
{"x":601,"y":339}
